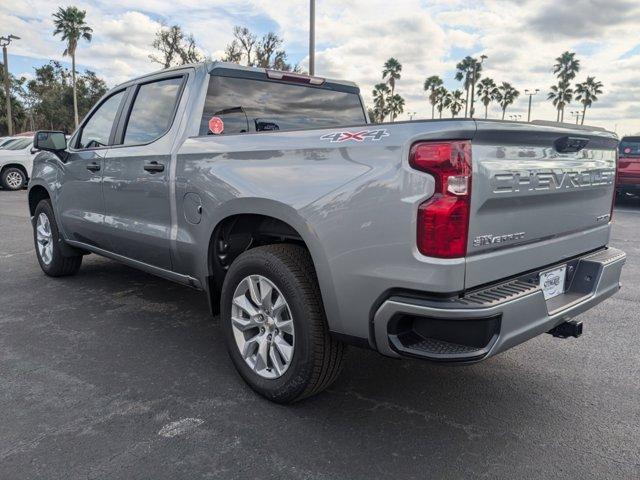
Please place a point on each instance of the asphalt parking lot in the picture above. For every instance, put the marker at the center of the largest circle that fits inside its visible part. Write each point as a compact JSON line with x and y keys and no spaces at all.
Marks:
{"x":114,"y":373}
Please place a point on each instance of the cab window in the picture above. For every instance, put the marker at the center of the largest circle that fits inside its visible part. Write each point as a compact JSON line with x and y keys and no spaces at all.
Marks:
{"x":152,"y":111}
{"x":97,"y":130}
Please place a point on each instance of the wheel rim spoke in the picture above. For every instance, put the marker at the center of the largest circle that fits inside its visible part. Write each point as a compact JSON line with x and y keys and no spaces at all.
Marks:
{"x":44,"y":238}
{"x":254,"y":290}
{"x":284,"y":348}
{"x":263,"y":326}
{"x":245,"y":305}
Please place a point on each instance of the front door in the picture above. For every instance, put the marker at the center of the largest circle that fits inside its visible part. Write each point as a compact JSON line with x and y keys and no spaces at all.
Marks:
{"x":80,"y":201}
{"x":136,"y":175}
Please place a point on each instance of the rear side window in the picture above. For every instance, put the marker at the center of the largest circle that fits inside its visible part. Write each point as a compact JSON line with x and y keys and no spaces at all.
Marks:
{"x":248,"y":105}
{"x":96,"y":132}
{"x":152,"y":111}
{"x":630,"y":147}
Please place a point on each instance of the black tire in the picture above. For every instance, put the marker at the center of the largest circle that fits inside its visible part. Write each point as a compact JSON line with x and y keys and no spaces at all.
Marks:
{"x":13,"y":178}
{"x":59,"y":265}
{"x":317,"y":356}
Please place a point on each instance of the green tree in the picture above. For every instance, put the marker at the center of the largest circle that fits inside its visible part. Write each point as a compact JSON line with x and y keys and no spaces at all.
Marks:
{"x":464,"y":73}
{"x":505,"y":96}
{"x":487,"y":91}
{"x":441,"y":96}
{"x":431,"y":84}
{"x":50,"y":95}
{"x":18,"y":112}
{"x":380,"y":93}
{"x":392,"y":69}
{"x":565,"y":69}
{"x":174,"y":47}
{"x":70,"y":24}
{"x":587,"y":92}
{"x":454,"y":102}
{"x":266,"y":52}
{"x":395,"y":105}
{"x":560,"y":95}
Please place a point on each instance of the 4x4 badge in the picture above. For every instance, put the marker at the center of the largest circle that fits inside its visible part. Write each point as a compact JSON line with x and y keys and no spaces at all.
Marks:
{"x":361,"y":136}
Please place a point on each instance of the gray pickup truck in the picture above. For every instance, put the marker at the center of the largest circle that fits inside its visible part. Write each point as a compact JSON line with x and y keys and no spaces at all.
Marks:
{"x":310,"y":228}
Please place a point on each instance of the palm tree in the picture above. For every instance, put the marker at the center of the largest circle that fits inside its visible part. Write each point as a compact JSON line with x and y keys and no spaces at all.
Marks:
{"x":566,"y":68}
{"x":587,"y":93}
{"x":454,"y":102}
{"x":487,"y":91}
{"x":441,"y":96}
{"x":505,"y":96}
{"x":464,"y":72}
{"x":69,"y":23}
{"x":380,"y":94}
{"x":431,"y":84}
{"x":392,"y":69}
{"x":395,"y":104}
{"x":560,"y":95}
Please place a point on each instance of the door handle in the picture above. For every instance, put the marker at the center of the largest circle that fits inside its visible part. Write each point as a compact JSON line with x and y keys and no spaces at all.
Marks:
{"x":154,"y":167}
{"x":93,"y":167}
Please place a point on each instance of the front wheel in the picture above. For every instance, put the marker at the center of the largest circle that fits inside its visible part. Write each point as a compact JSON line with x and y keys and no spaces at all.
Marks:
{"x":47,"y":241}
{"x":274,"y":324}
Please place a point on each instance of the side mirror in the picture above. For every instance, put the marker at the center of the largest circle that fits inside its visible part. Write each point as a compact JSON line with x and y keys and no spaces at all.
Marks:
{"x":55,"y":142}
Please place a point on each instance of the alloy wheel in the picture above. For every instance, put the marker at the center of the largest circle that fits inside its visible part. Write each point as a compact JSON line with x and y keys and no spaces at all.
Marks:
{"x":263,"y":326}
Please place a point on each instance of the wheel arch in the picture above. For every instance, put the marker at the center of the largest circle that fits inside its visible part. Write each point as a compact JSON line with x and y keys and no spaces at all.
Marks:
{"x":37,"y":193}
{"x":254,"y":223}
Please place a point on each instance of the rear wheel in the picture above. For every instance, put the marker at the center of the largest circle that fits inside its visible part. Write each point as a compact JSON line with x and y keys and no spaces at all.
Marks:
{"x":13,"y":178}
{"x":274,"y":324}
{"x":47,"y":241}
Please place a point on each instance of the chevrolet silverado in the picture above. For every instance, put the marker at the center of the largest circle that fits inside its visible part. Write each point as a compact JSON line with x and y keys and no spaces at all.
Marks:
{"x":310,"y":228}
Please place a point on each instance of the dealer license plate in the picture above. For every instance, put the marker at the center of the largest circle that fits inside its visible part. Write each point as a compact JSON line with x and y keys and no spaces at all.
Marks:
{"x":552,"y":282}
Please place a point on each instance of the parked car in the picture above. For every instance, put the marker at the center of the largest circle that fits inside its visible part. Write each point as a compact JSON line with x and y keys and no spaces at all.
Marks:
{"x":16,"y":163}
{"x":310,"y":228}
{"x":629,"y":165}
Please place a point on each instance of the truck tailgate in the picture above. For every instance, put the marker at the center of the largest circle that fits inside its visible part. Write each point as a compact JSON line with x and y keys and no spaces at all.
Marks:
{"x":536,"y":200}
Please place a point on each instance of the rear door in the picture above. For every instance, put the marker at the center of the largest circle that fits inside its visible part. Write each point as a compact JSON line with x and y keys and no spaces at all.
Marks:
{"x":540,"y":194}
{"x":137,"y":172}
{"x":80,"y":202}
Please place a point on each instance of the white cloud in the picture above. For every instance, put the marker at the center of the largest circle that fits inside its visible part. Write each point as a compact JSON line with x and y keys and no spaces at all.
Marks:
{"x":521,"y":39}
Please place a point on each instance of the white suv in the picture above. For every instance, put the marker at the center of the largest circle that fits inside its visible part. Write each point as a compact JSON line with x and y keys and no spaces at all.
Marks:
{"x":16,"y":163}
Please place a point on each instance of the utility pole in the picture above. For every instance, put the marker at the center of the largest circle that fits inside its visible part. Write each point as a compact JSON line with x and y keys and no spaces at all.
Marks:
{"x":531,"y":93}
{"x":473,"y":84}
{"x":4,"y":41}
{"x":312,"y":37}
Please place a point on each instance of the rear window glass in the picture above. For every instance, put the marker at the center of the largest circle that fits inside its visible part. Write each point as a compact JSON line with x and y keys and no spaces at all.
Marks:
{"x":630,"y":147}
{"x":247,"y":105}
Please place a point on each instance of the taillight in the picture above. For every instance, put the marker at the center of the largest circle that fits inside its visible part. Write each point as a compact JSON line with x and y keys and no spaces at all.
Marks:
{"x":443,"y":220}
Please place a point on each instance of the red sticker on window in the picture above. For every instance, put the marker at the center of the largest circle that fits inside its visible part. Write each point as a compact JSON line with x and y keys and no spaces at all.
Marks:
{"x":627,"y":150}
{"x":216,"y":125}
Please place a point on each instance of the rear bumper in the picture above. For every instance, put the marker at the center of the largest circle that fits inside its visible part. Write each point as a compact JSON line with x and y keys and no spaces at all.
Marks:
{"x":485,"y":322}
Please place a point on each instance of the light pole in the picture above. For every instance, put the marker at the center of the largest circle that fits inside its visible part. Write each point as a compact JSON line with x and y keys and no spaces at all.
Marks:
{"x":473,"y":84}
{"x":4,"y":41}
{"x":312,"y":37}
{"x":531,"y":93}
{"x":577,"y":114}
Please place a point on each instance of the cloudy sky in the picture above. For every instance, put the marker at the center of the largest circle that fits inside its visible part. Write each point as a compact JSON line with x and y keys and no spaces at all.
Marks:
{"x":520,"y":37}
